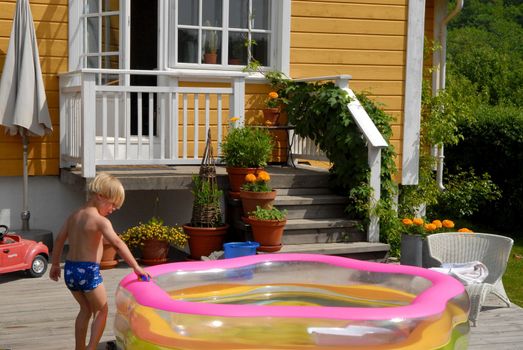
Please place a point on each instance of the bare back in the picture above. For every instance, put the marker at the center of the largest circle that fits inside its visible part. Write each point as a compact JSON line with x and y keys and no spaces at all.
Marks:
{"x":84,"y":233}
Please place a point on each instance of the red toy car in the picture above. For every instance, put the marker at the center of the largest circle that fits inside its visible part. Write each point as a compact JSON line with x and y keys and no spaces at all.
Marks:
{"x":18,"y":254}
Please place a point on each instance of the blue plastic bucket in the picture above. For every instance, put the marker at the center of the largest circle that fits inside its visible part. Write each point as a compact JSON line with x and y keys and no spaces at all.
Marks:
{"x":236,"y":249}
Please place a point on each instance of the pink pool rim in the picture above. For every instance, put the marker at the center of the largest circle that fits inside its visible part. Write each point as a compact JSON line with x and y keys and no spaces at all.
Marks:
{"x":431,"y":301}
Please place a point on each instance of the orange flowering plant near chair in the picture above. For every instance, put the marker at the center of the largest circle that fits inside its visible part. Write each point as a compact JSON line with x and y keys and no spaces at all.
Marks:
{"x":419,"y":226}
{"x":272,"y":112}
{"x":414,"y":231}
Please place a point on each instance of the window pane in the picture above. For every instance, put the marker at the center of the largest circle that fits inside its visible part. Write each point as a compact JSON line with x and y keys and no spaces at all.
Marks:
{"x":212,"y":46}
{"x":260,"y":51}
{"x":110,"y":5}
{"x":260,"y":14}
{"x":188,"y":12}
{"x":92,"y":35}
{"x":239,"y":14}
{"x":92,"y":62}
{"x":212,"y":13}
{"x":110,"y":30}
{"x":91,"y":6}
{"x":237,"y":49}
{"x":110,"y":62}
{"x":188,"y":45}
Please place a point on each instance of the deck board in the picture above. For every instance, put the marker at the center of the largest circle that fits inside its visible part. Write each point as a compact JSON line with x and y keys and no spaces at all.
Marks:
{"x":39,"y":314}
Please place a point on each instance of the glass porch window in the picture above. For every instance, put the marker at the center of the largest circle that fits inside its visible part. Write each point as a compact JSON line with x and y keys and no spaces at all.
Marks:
{"x":226,"y":33}
{"x":101,"y":21}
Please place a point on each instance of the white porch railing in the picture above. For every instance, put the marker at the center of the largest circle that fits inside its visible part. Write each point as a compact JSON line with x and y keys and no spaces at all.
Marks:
{"x":305,"y":148}
{"x":122,"y":124}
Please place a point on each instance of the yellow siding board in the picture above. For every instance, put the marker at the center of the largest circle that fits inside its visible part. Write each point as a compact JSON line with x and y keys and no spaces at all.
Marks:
{"x":344,"y":26}
{"x":347,"y":41}
{"x":378,"y":87}
{"x":378,"y":2}
{"x":358,"y":72}
{"x":41,"y":150}
{"x":44,"y":30}
{"x":348,"y":10}
{"x":13,"y":167}
{"x":332,"y":56}
{"x":48,"y":12}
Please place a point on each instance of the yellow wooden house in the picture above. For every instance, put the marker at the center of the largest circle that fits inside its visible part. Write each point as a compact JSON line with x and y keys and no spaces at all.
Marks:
{"x":130,"y":82}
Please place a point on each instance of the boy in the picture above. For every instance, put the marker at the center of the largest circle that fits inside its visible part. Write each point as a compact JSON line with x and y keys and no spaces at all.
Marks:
{"x":85,"y":230}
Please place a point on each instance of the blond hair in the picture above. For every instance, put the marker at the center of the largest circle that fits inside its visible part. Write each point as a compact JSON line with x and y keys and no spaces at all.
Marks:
{"x":108,"y":186}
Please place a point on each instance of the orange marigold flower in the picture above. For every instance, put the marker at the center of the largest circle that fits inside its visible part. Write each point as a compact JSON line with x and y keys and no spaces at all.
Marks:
{"x":273,"y":94}
{"x":264,"y":176}
{"x":430,"y":227}
{"x":466,"y":230}
{"x":448,"y":223}
{"x":250,"y":178}
{"x":407,"y":221}
{"x":233,"y":119}
{"x":437,"y":223}
{"x":417,"y":221}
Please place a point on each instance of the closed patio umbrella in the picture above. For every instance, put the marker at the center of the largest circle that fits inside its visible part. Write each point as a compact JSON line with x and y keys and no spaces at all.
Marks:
{"x":23,"y":103}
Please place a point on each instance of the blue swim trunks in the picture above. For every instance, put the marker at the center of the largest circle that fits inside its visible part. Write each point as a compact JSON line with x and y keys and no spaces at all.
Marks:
{"x":82,"y":275}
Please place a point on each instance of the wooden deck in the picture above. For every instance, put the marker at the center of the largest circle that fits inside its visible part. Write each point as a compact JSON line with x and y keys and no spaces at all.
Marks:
{"x":39,"y":314}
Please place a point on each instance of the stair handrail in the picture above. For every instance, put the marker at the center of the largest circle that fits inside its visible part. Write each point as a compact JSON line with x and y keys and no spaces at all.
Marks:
{"x":375,"y":142}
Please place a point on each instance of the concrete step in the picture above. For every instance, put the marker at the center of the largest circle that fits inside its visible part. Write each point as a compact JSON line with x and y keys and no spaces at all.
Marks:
{"x":302,"y":191}
{"x":314,"y":206}
{"x":355,"y":250}
{"x":307,"y":231}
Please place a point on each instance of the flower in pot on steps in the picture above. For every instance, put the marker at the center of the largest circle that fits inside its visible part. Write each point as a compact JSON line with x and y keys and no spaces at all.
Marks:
{"x":245,"y":150}
{"x":267,"y":227}
{"x":154,"y":237}
{"x":257,"y":191}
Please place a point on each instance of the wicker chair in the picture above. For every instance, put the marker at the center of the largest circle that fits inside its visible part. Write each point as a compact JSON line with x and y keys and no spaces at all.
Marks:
{"x":491,"y":250}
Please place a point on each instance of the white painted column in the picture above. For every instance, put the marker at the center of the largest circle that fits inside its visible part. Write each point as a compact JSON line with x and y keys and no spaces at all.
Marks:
{"x":88,"y":125}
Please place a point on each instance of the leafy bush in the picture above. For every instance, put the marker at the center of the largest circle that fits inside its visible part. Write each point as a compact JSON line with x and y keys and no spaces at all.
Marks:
{"x":247,"y":147}
{"x":464,"y":194}
{"x":494,"y":145}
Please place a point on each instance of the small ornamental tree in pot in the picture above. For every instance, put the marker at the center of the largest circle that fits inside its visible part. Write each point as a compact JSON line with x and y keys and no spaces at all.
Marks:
{"x":206,"y":230}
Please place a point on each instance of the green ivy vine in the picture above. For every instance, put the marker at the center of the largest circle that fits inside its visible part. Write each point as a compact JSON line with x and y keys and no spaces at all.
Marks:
{"x":318,"y":110}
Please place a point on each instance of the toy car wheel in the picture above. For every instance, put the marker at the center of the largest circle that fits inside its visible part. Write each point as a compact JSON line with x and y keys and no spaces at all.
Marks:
{"x":38,"y":266}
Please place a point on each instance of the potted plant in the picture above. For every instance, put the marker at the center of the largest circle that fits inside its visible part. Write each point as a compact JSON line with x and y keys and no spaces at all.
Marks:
{"x":256,"y":191}
{"x":271,"y":114}
{"x":206,"y":230}
{"x":245,"y":150}
{"x":154,"y":239}
{"x":413,"y":234}
{"x":211,"y":47}
{"x":267,"y":227}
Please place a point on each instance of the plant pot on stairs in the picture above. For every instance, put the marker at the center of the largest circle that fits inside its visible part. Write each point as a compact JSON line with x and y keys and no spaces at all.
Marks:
{"x":267,"y":227}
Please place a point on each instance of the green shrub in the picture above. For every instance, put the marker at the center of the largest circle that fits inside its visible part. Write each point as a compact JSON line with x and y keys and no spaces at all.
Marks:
{"x":494,"y":145}
{"x":247,"y":147}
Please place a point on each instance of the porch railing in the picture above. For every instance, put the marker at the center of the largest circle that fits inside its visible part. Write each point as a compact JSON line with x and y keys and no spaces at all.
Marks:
{"x":106,"y":120}
{"x":304,"y":147}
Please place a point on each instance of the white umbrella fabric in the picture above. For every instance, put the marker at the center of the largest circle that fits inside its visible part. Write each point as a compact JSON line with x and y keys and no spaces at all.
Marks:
{"x":23,"y":103}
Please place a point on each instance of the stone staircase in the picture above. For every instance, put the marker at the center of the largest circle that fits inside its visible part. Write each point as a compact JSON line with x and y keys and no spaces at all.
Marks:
{"x":316,"y":219}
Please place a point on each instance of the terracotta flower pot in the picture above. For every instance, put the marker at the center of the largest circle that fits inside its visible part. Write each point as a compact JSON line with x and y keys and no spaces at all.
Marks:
{"x":237,"y":176}
{"x":271,"y":116}
{"x":108,"y":257}
{"x":252,"y":199}
{"x":205,"y":240}
{"x":154,"y":252}
{"x":268,"y":233}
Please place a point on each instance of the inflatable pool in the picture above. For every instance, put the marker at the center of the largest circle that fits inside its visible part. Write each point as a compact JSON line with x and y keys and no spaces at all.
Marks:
{"x":291,"y":301}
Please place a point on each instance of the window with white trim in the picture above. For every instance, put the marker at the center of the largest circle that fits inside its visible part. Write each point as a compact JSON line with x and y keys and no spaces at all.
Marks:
{"x":221,"y":33}
{"x":101,"y":19}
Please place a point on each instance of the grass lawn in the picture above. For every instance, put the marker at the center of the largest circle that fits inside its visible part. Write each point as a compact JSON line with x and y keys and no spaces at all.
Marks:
{"x":513,"y":278}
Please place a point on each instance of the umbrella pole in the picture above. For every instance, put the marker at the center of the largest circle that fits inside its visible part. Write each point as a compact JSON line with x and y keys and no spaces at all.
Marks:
{"x":25,"y":213}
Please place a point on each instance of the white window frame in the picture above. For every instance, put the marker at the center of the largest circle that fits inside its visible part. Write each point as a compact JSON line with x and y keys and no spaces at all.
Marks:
{"x":280,"y":43}
{"x":279,"y":50}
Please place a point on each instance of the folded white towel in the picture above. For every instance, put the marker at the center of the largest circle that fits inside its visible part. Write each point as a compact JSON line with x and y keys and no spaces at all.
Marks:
{"x":468,"y":273}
